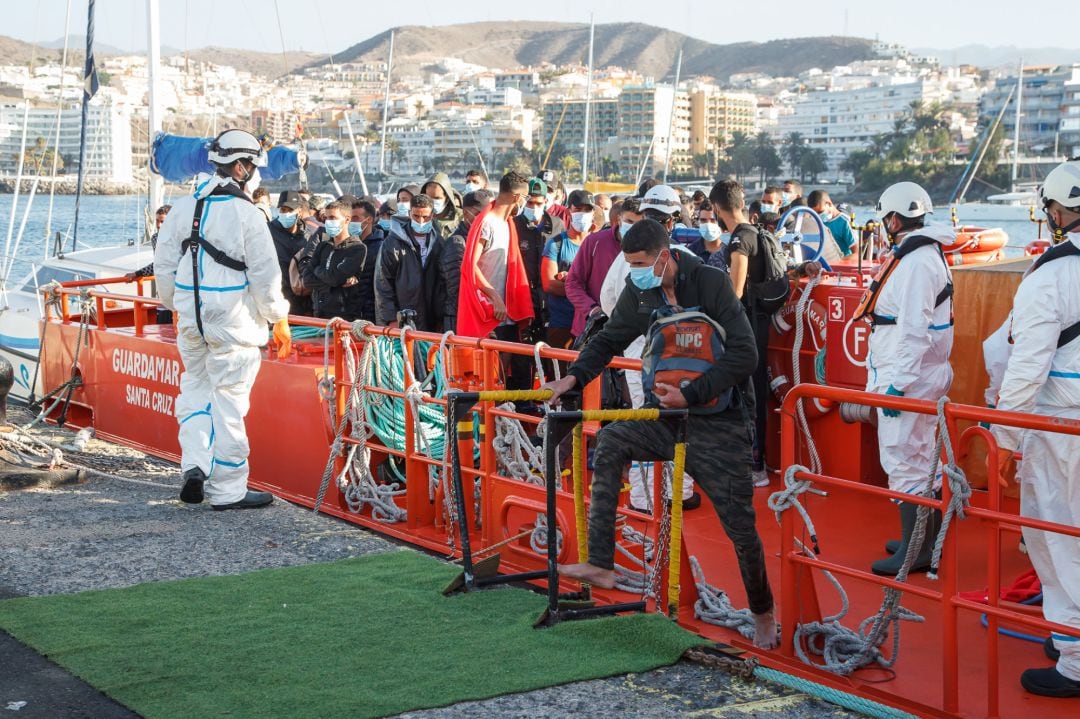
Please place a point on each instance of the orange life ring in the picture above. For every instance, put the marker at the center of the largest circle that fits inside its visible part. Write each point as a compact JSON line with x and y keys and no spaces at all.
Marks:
{"x":971,"y":258}
{"x":782,"y":340}
{"x":1037,"y":247}
{"x":977,"y":240}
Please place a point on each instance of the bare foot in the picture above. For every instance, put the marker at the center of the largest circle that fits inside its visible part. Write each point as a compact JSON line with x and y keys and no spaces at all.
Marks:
{"x":589,"y":574}
{"x":765,"y":632}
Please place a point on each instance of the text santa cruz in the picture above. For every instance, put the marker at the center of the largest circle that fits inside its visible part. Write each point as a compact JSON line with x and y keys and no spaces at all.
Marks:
{"x":150,"y":368}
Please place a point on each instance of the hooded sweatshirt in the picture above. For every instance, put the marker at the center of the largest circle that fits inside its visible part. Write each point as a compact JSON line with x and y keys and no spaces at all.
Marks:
{"x":450,"y":217}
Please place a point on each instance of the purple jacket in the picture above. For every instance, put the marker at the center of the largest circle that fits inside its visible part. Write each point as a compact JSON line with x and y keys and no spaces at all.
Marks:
{"x":587,"y":274}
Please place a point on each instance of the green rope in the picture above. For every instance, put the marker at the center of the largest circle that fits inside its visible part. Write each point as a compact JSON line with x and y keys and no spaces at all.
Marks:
{"x":306,"y":332}
{"x":868,"y":707}
{"x":387,"y":414}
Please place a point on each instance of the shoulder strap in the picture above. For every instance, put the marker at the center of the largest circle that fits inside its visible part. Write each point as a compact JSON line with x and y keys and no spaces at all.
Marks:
{"x":196,"y":240}
{"x":1063,"y":249}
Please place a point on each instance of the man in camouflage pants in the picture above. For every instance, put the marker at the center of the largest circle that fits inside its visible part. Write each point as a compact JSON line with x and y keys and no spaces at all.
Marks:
{"x":719,"y":445}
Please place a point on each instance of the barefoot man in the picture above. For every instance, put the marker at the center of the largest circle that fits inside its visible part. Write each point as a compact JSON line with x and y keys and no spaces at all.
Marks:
{"x":719,"y":448}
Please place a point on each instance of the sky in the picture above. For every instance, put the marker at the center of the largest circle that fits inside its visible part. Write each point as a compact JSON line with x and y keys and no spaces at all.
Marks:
{"x":333,"y":25}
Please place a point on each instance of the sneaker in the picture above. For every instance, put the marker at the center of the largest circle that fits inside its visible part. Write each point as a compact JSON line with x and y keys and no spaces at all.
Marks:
{"x":1049,"y":683}
{"x":192,"y":492}
{"x":761,"y":478}
{"x":251,"y":500}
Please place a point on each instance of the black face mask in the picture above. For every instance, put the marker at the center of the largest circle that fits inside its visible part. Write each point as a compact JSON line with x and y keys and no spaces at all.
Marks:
{"x":1059,"y":231}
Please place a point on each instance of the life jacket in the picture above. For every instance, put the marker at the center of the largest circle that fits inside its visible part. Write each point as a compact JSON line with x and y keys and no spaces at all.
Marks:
{"x":680,"y":346}
{"x":869,"y":299}
{"x":1064,"y":249}
{"x":196,"y":240}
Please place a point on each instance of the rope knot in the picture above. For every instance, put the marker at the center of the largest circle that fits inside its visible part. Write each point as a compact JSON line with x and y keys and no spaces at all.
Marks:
{"x":785,"y":499}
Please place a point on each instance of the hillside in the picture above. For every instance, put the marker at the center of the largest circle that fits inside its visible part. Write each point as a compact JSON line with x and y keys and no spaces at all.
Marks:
{"x":266,"y":64}
{"x":649,"y":50}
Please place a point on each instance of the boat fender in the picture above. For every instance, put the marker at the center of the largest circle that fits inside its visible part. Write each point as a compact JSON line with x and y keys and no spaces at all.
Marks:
{"x":779,"y":361}
{"x":1036,"y":247}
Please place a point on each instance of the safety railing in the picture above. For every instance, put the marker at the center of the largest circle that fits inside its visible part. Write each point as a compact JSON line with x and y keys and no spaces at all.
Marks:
{"x":794,"y":559}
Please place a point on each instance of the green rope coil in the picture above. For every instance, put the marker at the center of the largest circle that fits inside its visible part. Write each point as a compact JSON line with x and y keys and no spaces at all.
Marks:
{"x":833,"y":696}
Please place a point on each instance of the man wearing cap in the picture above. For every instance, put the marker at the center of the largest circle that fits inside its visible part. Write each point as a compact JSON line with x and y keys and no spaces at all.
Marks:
{"x":551,"y":181}
{"x":559,"y":254}
{"x":535,"y":226}
{"x":287,"y":229}
{"x":718,"y":450}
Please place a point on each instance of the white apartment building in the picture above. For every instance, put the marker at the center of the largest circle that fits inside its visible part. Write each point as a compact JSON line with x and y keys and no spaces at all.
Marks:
{"x":108,"y":132}
{"x":841,"y":122}
{"x":645,"y":116}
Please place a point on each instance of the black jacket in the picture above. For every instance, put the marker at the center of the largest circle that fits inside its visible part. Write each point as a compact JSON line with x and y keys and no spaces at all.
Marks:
{"x":326,"y":273}
{"x":531,"y":240}
{"x":697,"y":285}
{"x":287,"y":244}
{"x":366,"y":278}
{"x":402,"y":282}
{"x":453,"y":255}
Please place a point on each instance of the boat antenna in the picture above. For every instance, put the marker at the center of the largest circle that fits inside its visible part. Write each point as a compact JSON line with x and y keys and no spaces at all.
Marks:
{"x":90,"y":88}
{"x":1016,"y":130}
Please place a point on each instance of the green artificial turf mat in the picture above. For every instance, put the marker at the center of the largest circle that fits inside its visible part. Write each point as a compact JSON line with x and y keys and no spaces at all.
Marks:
{"x":361,"y":637}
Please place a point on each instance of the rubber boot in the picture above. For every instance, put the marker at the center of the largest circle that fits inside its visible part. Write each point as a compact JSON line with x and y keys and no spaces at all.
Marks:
{"x":894,"y":544}
{"x":908,"y":512}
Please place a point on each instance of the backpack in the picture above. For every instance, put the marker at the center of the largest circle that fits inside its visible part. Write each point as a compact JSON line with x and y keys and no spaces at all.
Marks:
{"x":614,"y":390}
{"x":296,"y":277}
{"x":770,"y":294}
{"x":680,"y":346}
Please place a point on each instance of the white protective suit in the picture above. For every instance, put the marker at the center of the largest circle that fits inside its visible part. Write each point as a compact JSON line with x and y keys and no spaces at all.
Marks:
{"x":912,"y":356}
{"x":1044,"y":379}
{"x":641,"y":486}
{"x":219,"y":369}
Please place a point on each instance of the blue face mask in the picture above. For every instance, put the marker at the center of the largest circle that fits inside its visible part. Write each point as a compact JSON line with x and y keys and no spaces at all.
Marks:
{"x":471,"y":187}
{"x":287,"y":219}
{"x":710,"y":231}
{"x":581,"y":221}
{"x":767,"y":208}
{"x":643,"y":277}
{"x":403,"y":209}
{"x":533,"y":214}
{"x":624,"y":227}
{"x":356,"y":229}
{"x":420,"y":228}
{"x":438,"y":205}
{"x":384,"y":224}
{"x":333,"y":228}
{"x":786,"y":198}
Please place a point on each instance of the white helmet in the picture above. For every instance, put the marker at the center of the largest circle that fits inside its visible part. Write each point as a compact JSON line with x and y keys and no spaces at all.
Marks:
{"x":662,"y":198}
{"x":1062,"y":186}
{"x":906,"y":199}
{"x":233,"y":145}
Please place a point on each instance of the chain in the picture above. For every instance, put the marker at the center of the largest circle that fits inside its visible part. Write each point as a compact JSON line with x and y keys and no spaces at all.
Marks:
{"x":744,"y":668}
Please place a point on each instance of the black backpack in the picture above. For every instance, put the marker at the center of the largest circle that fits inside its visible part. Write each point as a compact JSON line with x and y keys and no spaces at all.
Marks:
{"x":770,"y":294}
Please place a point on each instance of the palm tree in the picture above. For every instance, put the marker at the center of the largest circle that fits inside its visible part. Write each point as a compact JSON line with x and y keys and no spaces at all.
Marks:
{"x":569,"y":164}
{"x":793,"y":150}
{"x":766,"y":158}
{"x":814,"y":161}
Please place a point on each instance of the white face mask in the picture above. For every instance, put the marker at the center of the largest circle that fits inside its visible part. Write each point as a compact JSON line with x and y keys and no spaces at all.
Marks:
{"x":438,"y":205}
{"x":581,"y":221}
{"x":624,"y":227}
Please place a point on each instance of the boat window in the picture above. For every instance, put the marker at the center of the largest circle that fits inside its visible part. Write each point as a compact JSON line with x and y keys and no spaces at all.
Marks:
{"x":46,"y":274}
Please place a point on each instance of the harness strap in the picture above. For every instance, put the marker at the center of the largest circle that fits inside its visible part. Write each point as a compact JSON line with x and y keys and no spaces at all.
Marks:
{"x":1063,"y":249}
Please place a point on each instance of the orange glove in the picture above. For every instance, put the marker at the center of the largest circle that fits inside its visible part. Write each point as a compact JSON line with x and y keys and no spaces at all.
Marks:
{"x":1006,"y":466}
{"x":283,"y":336}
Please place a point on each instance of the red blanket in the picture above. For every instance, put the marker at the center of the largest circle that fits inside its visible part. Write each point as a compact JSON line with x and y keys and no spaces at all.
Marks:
{"x":476,"y":313}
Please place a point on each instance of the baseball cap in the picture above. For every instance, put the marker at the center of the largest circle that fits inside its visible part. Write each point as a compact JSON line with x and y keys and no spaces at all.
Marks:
{"x":550,"y":177}
{"x":289,"y":198}
{"x":580,"y":198}
{"x":537,"y":187}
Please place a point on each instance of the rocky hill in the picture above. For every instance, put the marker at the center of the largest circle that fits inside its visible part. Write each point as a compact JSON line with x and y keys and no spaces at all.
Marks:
{"x":649,"y":50}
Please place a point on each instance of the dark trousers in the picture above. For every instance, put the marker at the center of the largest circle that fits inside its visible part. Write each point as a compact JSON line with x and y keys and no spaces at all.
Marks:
{"x":760,"y":323}
{"x":717,"y":455}
{"x":519,"y":369}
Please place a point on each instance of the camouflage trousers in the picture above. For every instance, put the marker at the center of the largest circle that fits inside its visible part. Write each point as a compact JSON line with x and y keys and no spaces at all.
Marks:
{"x":718,"y":455}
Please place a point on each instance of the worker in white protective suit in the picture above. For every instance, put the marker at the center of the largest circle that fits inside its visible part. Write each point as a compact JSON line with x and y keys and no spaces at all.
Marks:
{"x":217,"y":268}
{"x":910,"y":307}
{"x":1043,"y":377}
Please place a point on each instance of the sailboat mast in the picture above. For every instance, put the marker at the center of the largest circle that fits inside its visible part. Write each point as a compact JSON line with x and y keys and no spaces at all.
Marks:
{"x":671,"y":118}
{"x":386,"y":112}
{"x":588,"y":103}
{"x":1016,"y":133}
{"x":90,"y":88}
{"x":156,"y":190}
{"x":56,"y":136}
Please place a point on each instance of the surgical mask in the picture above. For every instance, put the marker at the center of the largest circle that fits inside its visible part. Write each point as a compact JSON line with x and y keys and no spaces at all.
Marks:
{"x":403,"y":209}
{"x":356,"y":229}
{"x":624,"y":227}
{"x":786,"y":198}
{"x":333,"y":228}
{"x":644,"y":278}
{"x":768,"y":207}
{"x":710,"y":231}
{"x":384,"y":224}
{"x":581,"y":221}
{"x":471,"y":187}
{"x":533,"y":214}
{"x":287,"y":219}
{"x":438,"y":206}
{"x":420,"y":228}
